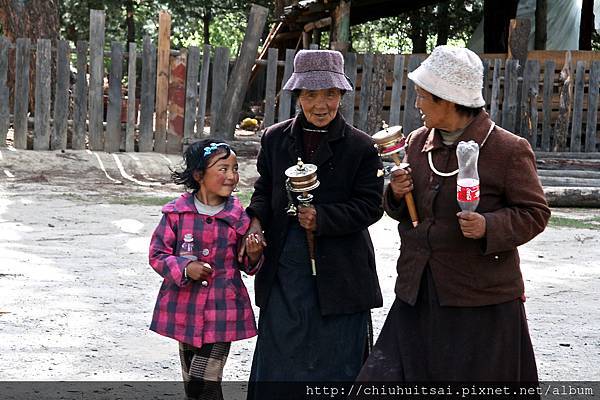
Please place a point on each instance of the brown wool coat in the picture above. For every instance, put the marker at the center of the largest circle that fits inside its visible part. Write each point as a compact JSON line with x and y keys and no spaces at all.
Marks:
{"x":469,"y":272}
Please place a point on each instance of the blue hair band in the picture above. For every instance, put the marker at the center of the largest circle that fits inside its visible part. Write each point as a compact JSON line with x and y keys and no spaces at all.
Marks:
{"x":208,"y":150}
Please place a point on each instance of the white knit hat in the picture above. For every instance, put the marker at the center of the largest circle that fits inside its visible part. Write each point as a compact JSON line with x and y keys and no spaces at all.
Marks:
{"x":452,"y":73}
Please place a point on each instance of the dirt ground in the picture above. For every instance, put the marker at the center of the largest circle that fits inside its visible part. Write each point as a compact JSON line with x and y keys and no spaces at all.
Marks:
{"x":77,"y":293}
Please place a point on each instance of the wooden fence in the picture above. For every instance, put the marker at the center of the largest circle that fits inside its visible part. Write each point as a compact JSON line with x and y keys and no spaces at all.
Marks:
{"x":178,"y":90}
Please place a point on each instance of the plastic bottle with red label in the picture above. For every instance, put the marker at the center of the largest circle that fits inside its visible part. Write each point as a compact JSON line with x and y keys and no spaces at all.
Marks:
{"x":467,"y":181}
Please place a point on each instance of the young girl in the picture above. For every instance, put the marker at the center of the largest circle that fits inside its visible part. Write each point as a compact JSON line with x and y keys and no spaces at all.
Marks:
{"x":203,"y":302}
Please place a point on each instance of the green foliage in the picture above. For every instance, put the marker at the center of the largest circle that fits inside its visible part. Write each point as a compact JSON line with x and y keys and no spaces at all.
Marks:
{"x":392,"y":34}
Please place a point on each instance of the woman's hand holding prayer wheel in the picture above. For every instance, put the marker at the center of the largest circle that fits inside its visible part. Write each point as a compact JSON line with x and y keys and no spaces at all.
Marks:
{"x":307,"y":216}
{"x":401,"y":183}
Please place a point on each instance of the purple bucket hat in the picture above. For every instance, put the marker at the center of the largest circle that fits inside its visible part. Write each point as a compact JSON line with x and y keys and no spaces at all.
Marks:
{"x":318,"y":69}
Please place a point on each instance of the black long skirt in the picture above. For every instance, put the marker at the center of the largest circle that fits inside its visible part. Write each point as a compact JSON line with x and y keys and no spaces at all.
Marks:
{"x":295,"y":342}
{"x":428,"y":342}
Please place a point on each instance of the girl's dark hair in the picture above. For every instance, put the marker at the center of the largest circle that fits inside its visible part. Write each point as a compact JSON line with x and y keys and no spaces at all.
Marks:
{"x":196,"y":158}
{"x":464,"y":110}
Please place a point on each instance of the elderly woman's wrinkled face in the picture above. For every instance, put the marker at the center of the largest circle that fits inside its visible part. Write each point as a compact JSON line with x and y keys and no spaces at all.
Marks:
{"x":320,"y":106}
{"x":434,"y":114}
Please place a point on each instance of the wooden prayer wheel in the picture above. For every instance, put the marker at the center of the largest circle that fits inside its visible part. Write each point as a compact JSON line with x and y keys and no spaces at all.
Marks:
{"x":390,"y":142}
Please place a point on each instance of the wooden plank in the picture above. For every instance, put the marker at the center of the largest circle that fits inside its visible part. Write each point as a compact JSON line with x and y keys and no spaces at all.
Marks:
{"x":592,"y":116}
{"x":191,"y":93}
{"x":238,"y":83}
{"x":549,"y":67}
{"x":270,"y":88}
{"x":4,"y":109}
{"x":176,"y":105}
{"x":396,"y":101}
{"x":219,"y":84}
{"x":530,"y":90}
{"x":486,"y":84}
{"x":80,"y":98}
{"x":495,"y":96}
{"x":148,"y":93}
{"x":21,"y":98}
{"x":575,"y":145}
{"x":61,"y":97}
{"x":285,"y":96}
{"x":365,"y":86}
{"x":411,"y":119}
{"x":96,"y":99}
{"x":561,"y":126}
{"x":113,"y":113}
{"x":131,"y":100}
{"x":350,"y":96}
{"x":509,"y":103}
{"x":162,"y":81}
{"x":43,"y":93}
{"x":203,"y":91}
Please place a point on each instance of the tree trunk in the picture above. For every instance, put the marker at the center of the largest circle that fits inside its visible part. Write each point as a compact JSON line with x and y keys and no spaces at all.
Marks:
{"x":541,"y":17}
{"x":586,"y":25}
{"x":34,"y":19}
{"x":443,"y":24}
{"x":206,"y":18}
{"x":130,"y":21}
{"x":418,"y":33}
{"x":496,"y":19}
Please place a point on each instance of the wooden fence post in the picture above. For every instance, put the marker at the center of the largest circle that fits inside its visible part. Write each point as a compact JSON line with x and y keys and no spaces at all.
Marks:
{"x":80,"y":98}
{"x":43,"y":79}
{"x":285,"y":96}
{"x":561,"y":126}
{"x":96,"y":94}
{"x":365,"y":87}
{"x":592,"y":120}
{"x":495,"y":100}
{"x":131,"y":100}
{"x":219,"y":84}
{"x":238,"y":85}
{"x":509,"y":103}
{"x":191,"y":94}
{"x":575,"y":145}
{"x":61,"y":97}
{"x":348,"y":100}
{"x":21,"y":102}
{"x":411,"y":119}
{"x":176,"y":105}
{"x":549,"y":67}
{"x":203,"y":91}
{"x":270,"y":88}
{"x":529,"y":113}
{"x":162,"y":81}
{"x":148,"y":93}
{"x":486,"y":85}
{"x":4,"y":109}
{"x":396,"y":100}
{"x":113,"y":112}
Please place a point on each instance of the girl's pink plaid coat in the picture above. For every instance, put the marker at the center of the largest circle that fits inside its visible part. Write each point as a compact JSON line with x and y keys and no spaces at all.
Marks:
{"x":185,"y":310}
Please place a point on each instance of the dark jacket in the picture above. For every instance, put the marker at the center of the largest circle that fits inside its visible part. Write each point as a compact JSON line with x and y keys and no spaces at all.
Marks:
{"x":469,"y":272}
{"x":348,"y":200}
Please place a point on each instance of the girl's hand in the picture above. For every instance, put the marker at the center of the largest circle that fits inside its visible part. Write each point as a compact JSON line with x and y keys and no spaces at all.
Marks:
{"x":256,"y":229}
{"x":254,"y":247}
{"x":199,"y":271}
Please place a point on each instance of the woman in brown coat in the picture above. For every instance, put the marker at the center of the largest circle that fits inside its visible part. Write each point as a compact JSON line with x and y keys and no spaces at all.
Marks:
{"x":458,"y":313}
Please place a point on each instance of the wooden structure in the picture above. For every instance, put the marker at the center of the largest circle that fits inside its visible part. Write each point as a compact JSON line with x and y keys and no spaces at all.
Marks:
{"x":553,"y":103}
